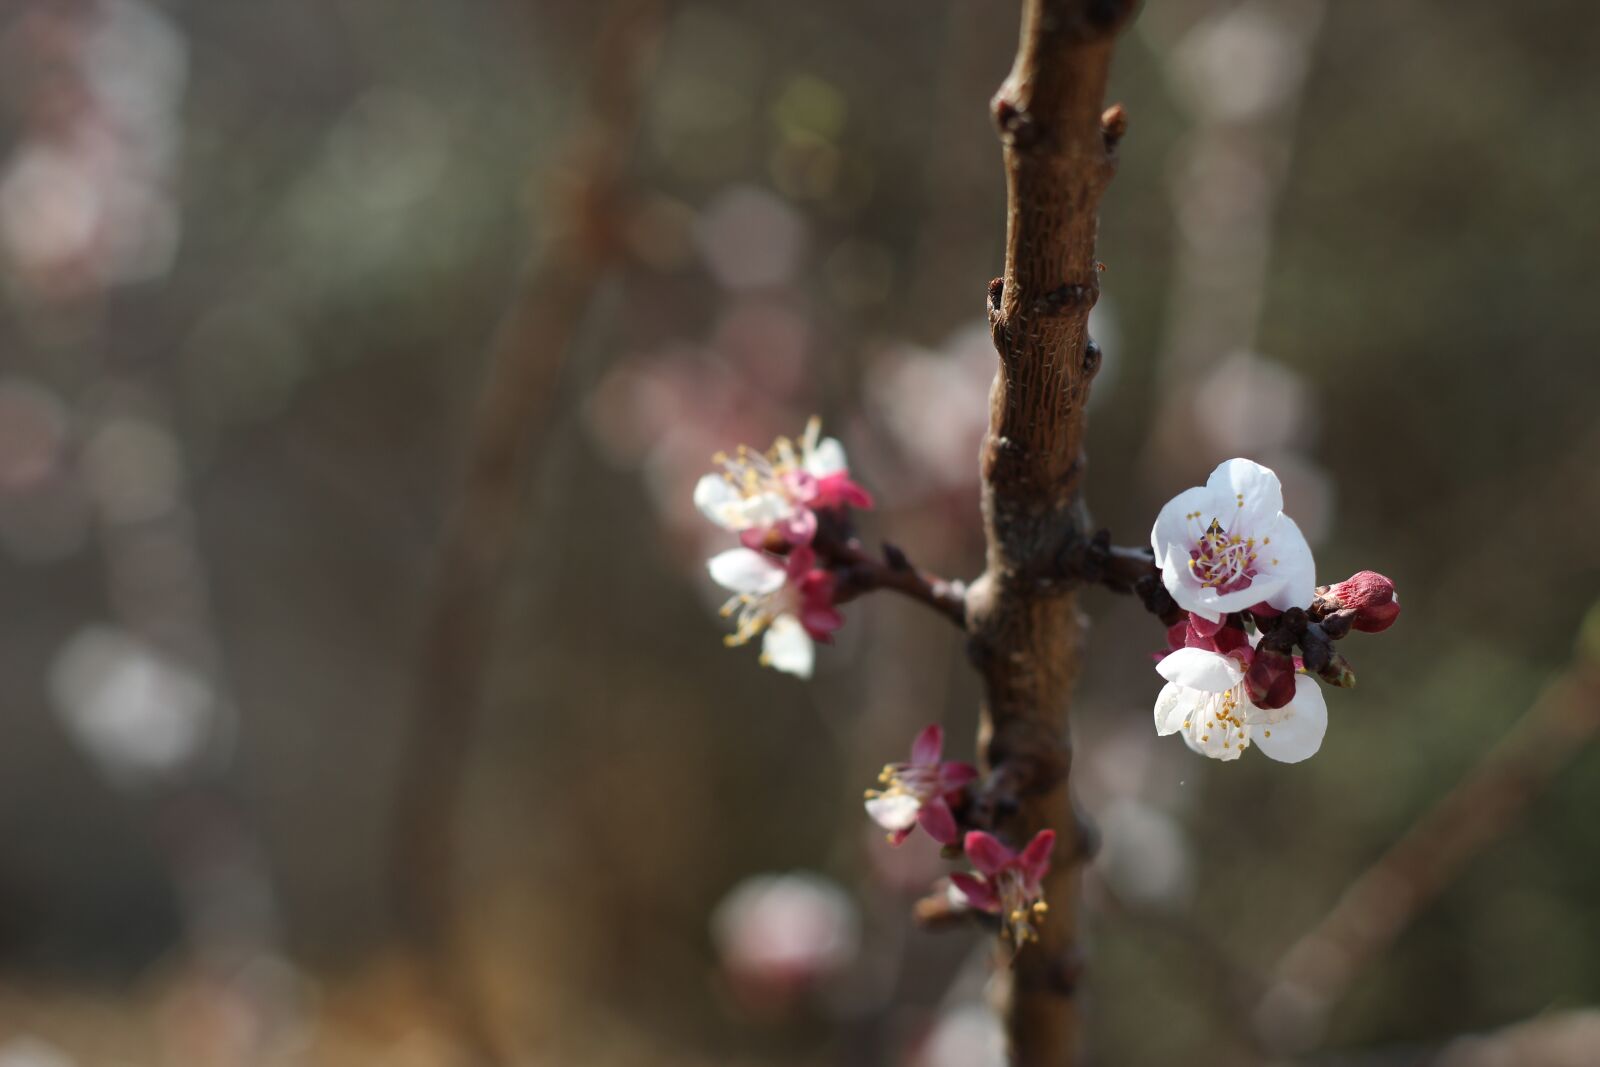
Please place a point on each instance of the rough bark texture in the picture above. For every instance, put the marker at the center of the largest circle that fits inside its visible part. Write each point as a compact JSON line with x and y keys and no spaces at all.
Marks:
{"x":1025,"y":625}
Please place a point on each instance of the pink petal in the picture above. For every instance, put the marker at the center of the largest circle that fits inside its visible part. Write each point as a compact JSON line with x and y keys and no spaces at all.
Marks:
{"x":1230,"y":640}
{"x":1177,"y":636}
{"x":820,"y":622}
{"x":936,"y":818}
{"x":838,"y":491}
{"x":803,"y":486}
{"x":898,"y":838}
{"x":800,"y":561}
{"x":978,"y":892}
{"x":816,"y":588}
{"x":1204,"y":627}
{"x":986,"y":854}
{"x":929,"y":744}
{"x":1036,"y":857}
{"x":800,"y":527}
{"x":953,"y":774}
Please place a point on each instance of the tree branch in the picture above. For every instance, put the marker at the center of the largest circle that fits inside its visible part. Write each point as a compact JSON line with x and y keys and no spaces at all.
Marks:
{"x":524,"y":364}
{"x":859,"y":573}
{"x":1313,"y":976}
{"x":1026,"y":629}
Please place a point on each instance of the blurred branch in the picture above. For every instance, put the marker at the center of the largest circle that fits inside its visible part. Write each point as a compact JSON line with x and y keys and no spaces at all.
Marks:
{"x":524,"y":364}
{"x":1314,"y":975}
{"x":1060,"y":152}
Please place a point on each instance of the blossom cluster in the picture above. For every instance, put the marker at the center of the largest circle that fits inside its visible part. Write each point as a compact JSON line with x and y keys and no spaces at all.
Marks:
{"x":775,"y":502}
{"x":927,"y":791}
{"x":1243,"y":581}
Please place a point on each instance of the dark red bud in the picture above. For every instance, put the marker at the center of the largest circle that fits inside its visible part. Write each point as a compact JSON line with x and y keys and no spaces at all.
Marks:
{"x":1270,"y":679}
{"x":1371,"y":596}
{"x":1337,"y":625}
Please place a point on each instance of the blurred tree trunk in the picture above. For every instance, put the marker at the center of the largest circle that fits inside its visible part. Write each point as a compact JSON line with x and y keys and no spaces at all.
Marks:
{"x":584,"y":211}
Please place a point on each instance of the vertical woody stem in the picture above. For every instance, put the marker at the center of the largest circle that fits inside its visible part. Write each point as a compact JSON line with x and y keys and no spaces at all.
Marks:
{"x":1026,"y":629}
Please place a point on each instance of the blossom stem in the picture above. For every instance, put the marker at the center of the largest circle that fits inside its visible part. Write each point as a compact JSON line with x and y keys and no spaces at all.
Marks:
{"x":860,"y":572}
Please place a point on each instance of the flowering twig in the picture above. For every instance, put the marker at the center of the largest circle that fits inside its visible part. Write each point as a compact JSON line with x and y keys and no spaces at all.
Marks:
{"x":1314,"y":974}
{"x":524,"y":363}
{"x":1228,"y":572}
{"x":1059,"y":156}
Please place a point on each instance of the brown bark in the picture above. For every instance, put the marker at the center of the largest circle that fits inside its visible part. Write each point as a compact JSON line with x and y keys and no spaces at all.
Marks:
{"x":1026,"y":630}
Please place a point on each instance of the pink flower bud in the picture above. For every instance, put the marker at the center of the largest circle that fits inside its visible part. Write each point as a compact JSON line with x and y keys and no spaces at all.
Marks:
{"x":1372,"y":597}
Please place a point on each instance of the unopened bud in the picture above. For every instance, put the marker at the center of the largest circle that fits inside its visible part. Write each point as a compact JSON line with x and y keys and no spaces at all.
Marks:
{"x":1337,"y":625}
{"x":1338,"y":672}
{"x":1270,"y":679}
{"x":1371,"y":597}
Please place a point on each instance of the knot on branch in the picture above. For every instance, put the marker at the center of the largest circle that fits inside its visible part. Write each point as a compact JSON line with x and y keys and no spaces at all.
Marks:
{"x":1017,"y":126}
{"x":1067,"y":298}
{"x":1113,"y":124}
{"x":1027,"y":763}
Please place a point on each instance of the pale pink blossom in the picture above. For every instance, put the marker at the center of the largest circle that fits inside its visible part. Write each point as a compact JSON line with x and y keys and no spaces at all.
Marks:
{"x":771,"y":499}
{"x":787,"y":600}
{"x":919,"y":791}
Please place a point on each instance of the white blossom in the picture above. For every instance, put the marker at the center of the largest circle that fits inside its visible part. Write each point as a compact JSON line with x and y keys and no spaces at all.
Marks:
{"x":1205,"y":700}
{"x":1227,"y":546}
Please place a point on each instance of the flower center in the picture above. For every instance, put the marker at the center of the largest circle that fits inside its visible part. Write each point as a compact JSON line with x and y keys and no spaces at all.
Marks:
{"x":754,"y":612}
{"x":1018,"y":908}
{"x":1220,"y":720}
{"x":1221,"y":561}
{"x":909,"y":780}
{"x":750,"y":472}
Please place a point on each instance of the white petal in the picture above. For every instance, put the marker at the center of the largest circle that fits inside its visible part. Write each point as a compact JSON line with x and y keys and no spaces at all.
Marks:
{"x":1214,"y":744}
{"x":1300,"y":727}
{"x":1253,"y":495}
{"x":1213,"y":605}
{"x":894,"y":812}
{"x":1197,"y":668}
{"x":717,"y":500}
{"x":787,"y":647}
{"x":1175,"y":533}
{"x":744,"y":570}
{"x":1287,"y":557}
{"x":827,"y":458}
{"x":1174,"y":704}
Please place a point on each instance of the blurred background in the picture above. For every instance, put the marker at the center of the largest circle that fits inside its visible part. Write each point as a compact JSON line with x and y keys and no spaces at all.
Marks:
{"x":257,"y":260}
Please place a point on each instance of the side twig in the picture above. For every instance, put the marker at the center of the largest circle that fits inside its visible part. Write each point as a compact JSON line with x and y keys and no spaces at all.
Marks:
{"x":1314,"y":975}
{"x":524,"y":364}
{"x":1026,"y":630}
{"x":859,"y":572}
